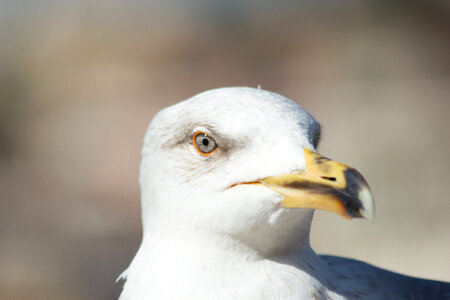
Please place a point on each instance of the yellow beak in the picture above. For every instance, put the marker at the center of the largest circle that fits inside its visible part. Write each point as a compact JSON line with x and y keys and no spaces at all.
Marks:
{"x":325,"y":185}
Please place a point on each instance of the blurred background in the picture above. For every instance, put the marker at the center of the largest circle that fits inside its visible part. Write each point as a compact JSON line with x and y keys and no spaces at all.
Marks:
{"x":80,"y":81}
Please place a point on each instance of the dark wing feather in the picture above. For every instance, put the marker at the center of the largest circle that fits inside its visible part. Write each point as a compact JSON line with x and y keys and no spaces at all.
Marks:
{"x":358,"y":280}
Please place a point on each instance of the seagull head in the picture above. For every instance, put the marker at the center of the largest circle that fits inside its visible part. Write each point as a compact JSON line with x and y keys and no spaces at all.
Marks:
{"x":242,"y":163}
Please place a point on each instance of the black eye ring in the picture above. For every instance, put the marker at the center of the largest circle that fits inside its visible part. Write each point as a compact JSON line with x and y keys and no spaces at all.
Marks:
{"x":204,"y":144}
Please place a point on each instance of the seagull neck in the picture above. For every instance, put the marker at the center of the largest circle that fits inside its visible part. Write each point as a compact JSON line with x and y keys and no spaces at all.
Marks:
{"x":264,"y":244}
{"x":201,"y":266}
{"x":199,"y":243}
{"x":213,"y":251}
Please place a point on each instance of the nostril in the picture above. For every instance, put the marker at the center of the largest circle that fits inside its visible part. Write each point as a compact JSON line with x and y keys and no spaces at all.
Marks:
{"x":329,"y":178}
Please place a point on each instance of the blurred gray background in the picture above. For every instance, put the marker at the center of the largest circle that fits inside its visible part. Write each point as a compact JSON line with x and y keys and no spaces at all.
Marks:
{"x":80,"y":81}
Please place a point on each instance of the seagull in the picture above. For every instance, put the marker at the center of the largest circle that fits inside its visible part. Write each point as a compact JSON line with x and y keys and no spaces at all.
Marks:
{"x":230,"y":179}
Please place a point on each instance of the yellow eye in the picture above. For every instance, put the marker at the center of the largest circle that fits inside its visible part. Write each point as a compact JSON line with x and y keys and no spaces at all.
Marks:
{"x":203,"y":143}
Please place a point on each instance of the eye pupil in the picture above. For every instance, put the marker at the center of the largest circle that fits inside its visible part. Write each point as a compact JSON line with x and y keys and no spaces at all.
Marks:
{"x":205,"y":142}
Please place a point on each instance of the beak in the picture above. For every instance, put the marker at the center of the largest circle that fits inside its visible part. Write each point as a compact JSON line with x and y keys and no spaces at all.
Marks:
{"x":325,"y":185}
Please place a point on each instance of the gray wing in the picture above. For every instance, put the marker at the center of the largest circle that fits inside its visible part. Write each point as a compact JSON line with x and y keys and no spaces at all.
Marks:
{"x":358,"y":280}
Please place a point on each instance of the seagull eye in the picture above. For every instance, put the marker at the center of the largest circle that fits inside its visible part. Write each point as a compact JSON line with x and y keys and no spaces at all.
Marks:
{"x":203,"y":143}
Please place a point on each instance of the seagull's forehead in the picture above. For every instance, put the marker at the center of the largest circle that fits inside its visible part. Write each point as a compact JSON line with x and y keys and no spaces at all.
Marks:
{"x":238,"y":110}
